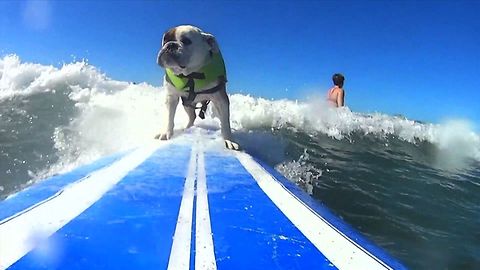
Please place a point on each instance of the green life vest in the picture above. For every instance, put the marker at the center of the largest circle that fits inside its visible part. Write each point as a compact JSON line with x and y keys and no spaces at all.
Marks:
{"x":213,"y":71}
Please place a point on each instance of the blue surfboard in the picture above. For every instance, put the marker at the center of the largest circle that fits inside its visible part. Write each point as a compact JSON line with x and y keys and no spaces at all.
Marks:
{"x":182,"y":204}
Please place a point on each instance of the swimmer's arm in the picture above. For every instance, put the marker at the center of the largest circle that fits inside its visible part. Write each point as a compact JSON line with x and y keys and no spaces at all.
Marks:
{"x":341,"y":98}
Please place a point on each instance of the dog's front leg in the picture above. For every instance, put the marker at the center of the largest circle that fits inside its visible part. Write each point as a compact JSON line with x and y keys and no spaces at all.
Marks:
{"x":223,"y":108}
{"x":190,"y":110}
{"x":171,"y":102}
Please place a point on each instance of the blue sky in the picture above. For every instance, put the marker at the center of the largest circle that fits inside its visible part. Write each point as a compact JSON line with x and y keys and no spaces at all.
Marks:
{"x":416,"y":58}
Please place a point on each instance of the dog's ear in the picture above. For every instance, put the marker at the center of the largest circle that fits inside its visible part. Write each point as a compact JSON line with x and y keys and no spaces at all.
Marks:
{"x":210,"y":39}
{"x":169,"y":36}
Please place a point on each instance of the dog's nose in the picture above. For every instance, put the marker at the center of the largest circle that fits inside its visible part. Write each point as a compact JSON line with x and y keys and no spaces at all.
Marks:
{"x":171,"y":46}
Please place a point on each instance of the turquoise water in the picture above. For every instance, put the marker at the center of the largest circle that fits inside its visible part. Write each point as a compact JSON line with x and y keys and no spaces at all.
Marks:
{"x":398,"y":194}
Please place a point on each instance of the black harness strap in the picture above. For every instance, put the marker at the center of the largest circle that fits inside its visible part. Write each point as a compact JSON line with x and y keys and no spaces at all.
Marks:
{"x":203,"y":109}
{"x":191,"y":86}
{"x":187,"y":101}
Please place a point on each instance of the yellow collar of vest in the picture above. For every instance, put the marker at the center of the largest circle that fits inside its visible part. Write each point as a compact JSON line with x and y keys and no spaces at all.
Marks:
{"x":211,"y":72}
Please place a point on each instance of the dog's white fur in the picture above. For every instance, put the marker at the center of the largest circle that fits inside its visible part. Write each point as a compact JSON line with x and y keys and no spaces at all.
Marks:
{"x":185,"y":57}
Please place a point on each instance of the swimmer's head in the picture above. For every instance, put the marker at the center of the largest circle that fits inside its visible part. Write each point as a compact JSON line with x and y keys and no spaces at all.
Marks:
{"x":338,"y":79}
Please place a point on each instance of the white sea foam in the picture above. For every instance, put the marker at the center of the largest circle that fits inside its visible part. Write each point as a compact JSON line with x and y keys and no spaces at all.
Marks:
{"x":114,"y":115}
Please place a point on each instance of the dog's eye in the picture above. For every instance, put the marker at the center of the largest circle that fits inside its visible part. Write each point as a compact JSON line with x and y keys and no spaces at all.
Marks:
{"x":186,"y":41}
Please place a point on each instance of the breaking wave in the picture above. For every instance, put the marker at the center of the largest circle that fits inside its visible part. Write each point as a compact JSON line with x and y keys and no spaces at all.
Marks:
{"x":89,"y":115}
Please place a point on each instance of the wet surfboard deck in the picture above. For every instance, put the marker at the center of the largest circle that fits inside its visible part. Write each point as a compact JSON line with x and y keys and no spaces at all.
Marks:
{"x":182,"y":204}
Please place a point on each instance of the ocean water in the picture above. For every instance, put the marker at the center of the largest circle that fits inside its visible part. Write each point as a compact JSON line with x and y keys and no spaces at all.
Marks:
{"x":413,"y":188}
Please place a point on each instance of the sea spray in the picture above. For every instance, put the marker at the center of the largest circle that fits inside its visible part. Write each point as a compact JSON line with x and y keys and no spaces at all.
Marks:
{"x":411,"y":187}
{"x":106,"y":116}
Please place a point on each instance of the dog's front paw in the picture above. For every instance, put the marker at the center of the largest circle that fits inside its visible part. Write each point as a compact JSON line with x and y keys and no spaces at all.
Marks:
{"x":164,"y":136}
{"x":232,"y":145}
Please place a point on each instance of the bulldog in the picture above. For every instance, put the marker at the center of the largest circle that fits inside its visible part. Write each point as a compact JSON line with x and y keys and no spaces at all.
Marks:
{"x":195,"y":73}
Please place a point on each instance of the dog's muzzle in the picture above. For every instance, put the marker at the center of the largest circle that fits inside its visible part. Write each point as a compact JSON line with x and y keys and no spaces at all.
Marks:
{"x":169,"y":55}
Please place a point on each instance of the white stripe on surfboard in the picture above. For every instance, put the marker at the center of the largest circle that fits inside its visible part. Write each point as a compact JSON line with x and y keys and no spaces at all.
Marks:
{"x":340,"y":250}
{"x":180,"y":254}
{"x":204,"y":251}
{"x":181,"y":248}
{"x":18,"y":235}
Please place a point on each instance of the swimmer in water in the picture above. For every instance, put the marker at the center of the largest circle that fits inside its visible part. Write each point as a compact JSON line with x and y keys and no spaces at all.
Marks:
{"x":336,"y":95}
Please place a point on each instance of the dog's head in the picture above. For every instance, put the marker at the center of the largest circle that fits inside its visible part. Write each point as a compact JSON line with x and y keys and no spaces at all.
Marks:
{"x":186,"y":49}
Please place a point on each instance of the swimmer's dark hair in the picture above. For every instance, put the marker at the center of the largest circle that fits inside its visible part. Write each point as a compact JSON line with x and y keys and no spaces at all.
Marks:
{"x":338,"y":79}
